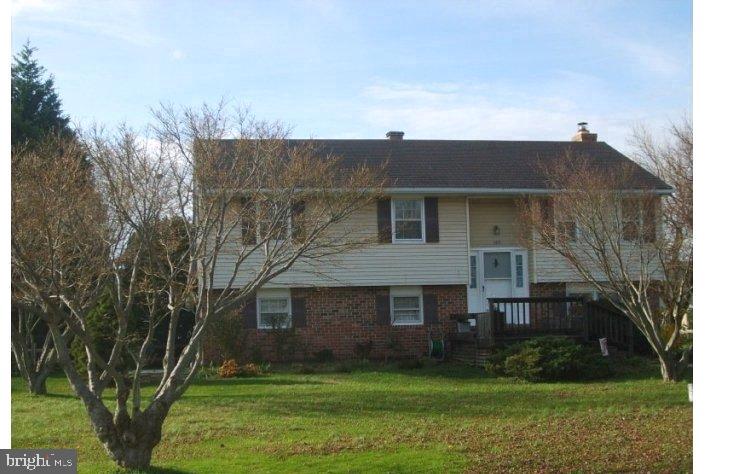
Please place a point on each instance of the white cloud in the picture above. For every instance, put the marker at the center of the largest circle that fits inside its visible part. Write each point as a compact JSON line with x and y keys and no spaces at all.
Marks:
{"x":484,"y":111}
{"x":121,"y":21}
{"x":651,"y":58}
{"x":177,"y":54}
{"x":20,"y":7}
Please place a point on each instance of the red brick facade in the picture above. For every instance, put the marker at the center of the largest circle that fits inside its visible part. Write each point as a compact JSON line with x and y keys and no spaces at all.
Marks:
{"x":547,"y":290}
{"x":340,"y":319}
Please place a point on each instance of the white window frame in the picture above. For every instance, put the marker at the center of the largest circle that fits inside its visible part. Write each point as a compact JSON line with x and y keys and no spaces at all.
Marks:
{"x":260,"y":225}
{"x":393,"y":221}
{"x":274,"y":293}
{"x":407,"y":291}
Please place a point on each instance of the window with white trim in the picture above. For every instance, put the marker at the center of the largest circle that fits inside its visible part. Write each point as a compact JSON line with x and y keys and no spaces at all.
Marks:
{"x":568,"y":230}
{"x":473,"y":271}
{"x":275,"y":220}
{"x":406,"y":306}
{"x":519,"y":262}
{"x":274,"y":309}
{"x":407,"y":216}
{"x":631,"y":219}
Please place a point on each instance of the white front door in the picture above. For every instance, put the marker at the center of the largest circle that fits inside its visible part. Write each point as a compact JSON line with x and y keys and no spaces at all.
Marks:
{"x":496,"y":273}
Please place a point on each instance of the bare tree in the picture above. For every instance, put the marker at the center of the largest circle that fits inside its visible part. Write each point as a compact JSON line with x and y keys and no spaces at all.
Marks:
{"x":33,"y":202}
{"x":629,"y":241}
{"x":35,"y":361}
{"x":245,"y":210}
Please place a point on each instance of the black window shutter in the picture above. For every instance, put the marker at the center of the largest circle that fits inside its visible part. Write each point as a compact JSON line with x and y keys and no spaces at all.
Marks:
{"x":297,"y":226}
{"x":383,"y":207}
{"x":247,"y":219}
{"x":299,"y":312}
{"x":649,"y":216}
{"x":430,"y":308}
{"x":383,"y":310}
{"x":548,"y":211}
{"x":250,"y":313}
{"x":431,"y":220}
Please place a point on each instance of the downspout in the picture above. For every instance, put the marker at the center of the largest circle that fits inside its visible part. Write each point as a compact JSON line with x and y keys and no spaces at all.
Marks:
{"x":467,"y":235}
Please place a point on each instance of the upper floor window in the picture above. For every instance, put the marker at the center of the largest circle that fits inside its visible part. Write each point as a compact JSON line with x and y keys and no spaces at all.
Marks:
{"x":568,"y":230}
{"x":275,"y":222}
{"x":639,"y":219}
{"x":408,"y":220}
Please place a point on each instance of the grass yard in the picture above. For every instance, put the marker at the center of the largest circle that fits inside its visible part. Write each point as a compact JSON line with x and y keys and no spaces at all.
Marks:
{"x":440,"y":418}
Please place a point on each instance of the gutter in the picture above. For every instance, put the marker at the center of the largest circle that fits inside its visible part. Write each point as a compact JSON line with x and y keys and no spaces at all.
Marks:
{"x":506,"y":191}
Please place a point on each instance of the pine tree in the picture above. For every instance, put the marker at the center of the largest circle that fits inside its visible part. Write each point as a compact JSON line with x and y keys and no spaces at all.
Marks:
{"x":35,"y":105}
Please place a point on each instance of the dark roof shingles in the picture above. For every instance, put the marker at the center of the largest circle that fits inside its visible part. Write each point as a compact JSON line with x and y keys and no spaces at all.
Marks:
{"x":475,"y":163}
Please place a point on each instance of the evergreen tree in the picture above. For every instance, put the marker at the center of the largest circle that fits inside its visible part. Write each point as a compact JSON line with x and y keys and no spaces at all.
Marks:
{"x":35,"y":105}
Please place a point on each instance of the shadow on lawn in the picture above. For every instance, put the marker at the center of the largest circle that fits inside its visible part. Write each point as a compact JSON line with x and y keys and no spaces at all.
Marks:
{"x":153,"y":470}
{"x":261,"y":380}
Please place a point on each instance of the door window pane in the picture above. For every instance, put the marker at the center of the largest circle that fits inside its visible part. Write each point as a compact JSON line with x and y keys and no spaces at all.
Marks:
{"x":519,"y":271}
{"x":496,"y":265}
{"x":473,"y":271}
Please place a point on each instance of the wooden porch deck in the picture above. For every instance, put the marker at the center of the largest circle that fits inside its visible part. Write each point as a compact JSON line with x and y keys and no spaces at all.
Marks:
{"x":515,"y":319}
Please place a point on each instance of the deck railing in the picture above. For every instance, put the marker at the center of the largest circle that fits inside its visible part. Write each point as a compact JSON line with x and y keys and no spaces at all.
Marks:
{"x":510,"y":318}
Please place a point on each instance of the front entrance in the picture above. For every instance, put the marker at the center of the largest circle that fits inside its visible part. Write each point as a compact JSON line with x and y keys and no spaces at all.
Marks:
{"x":496,"y":273}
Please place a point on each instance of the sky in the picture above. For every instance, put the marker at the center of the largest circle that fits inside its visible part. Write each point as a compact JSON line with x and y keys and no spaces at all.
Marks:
{"x":504,"y":70}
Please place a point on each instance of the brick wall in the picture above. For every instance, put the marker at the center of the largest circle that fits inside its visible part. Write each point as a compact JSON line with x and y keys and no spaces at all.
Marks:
{"x":546,"y":290}
{"x":340,"y":318}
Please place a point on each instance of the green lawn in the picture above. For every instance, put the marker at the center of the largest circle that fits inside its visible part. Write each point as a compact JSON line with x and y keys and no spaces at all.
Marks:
{"x":443,"y":418}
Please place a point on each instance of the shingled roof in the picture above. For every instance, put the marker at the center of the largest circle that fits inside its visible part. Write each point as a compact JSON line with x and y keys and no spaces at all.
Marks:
{"x":477,"y":164}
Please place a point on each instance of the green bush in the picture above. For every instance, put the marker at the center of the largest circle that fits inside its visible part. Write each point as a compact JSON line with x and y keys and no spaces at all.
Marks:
{"x":325,"y":355}
{"x":410,"y":364}
{"x":549,"y":359}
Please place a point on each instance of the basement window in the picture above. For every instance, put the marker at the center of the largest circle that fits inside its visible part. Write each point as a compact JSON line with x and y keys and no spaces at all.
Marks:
{"x":274,"y":309}
{"x":406,"y":306}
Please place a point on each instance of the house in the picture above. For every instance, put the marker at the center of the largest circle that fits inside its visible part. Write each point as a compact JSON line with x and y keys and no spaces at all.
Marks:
{"x":448,"y":239}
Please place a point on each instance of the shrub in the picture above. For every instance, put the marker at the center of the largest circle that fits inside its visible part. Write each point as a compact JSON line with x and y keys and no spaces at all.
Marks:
{"x":325,"y":355}
{"x":251,"y":370}
{"x":227,"y":335}
{"x":411,"y":364}
{"x":549,"y":359}
{"x":303,"y":369}
{"x":363,"y":349}
{"x":344,"y":367}
{"x":228,"y":369}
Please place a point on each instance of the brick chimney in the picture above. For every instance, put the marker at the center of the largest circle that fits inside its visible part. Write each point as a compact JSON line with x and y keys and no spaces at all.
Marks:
{"x":395,"y":136}
{"x":583,"y":134}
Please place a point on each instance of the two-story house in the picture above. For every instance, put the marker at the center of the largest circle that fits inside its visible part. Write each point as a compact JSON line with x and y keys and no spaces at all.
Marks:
{"x":448,"y":239}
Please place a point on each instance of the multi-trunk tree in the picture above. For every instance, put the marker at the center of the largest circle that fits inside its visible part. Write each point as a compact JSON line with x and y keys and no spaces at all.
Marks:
{"x":631,"y":242}
{"x":39,"y":127}
{"x":247,"y":209}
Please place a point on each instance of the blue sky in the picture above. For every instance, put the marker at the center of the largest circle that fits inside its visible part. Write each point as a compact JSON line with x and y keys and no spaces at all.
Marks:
{"x":331,"y":69}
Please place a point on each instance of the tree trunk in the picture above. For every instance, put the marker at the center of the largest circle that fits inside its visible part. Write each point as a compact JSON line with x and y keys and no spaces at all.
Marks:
{"x":130,"y":442}
{"x":669,"y":367}
{"x":37,"y":383}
